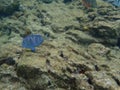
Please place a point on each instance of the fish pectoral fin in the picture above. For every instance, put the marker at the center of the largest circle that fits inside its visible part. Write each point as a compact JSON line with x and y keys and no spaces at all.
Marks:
{"x":33,"y":49}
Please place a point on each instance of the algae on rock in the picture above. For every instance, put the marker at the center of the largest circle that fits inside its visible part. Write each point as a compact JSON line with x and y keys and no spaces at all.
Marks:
{"x":7,"y":7}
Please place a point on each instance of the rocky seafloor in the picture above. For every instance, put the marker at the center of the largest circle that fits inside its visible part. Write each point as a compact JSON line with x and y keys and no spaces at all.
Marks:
{"x":81,"y":52}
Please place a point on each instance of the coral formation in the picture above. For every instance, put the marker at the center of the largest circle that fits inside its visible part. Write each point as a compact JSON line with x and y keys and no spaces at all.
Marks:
{"x":81,"y":52}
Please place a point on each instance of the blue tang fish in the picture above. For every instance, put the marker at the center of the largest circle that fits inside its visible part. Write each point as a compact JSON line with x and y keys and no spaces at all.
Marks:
{"x":116,"y":3}
{"x":31,"y":41}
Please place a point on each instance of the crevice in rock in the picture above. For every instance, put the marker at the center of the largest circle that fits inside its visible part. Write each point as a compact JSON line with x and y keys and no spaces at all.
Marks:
{"x":90,"y":81}
{"x":116,"y":80}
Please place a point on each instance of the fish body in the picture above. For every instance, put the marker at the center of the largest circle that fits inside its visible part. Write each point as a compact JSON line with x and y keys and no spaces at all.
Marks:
{"x":89,"y":3}
{"x":31,"y":41}
{"x":116,"y":3}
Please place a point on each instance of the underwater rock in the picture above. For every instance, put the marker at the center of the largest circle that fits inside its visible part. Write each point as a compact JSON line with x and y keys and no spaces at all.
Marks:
{"x":5,"y":29}
{"x":116,"y":77}
{"x":104,"y":30}
{"x":80,"y":37}
{"x":92,"y":16}
{"x":82,"y":82}
{"x":101,"y":81}
{"x":49,"y":72}
{"x":7,"y":7}
{"x":118,"y":42}
{"x":64,"y":61}
{"x":107,"y":32}
{"x":8,"y":61}
{"x":46,"y":1}
{"x":67,"y":1}
{"x":98,"y":49}
{"x":102,"y":11}
{"x":9,"y":79}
